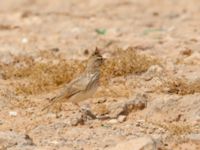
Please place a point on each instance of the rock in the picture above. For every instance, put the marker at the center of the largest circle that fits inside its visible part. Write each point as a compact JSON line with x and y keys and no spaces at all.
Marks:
{"x":1,"y":122}
{"x":121,"y":118}
{"x":4,"y":144}
{"x":79,"y":118}
{"x":100,"y":110}
{"x":24,"y":40}
{"x":6,"y":58}
{"x":152,"y":72}
{"x":113,"y":121}
{"x":74,"y":121}
{"x":137,"y":103}
{"x":193,"y":59}
{"x":141,"y":143}
{"x":193,"y":137}
{"x":116,"y":109}
{"x":13,"y":113}
{"x":10,"y":139}
{"x":186,"y":52}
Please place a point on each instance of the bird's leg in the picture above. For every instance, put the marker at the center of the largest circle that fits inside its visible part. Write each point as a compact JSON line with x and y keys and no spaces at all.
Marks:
{"x":86,"y":111}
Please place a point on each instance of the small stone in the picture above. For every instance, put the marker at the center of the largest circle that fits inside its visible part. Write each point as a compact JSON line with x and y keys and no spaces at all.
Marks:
{"x":121,"y":118}
{"x":113,"y":121}
{"x":186,"y":52}
{"x":139,"y":102}
{"x":15,"y":140}
{"x":24,"y":40}
{"x":76,"y":121}
{"x":100,"y":110}
{"x":86,"y":52}
{"x":1,"y":122}
{"x":141,"y":143}
{"x":13,"y":113}
{"x":193,"y":137}
{"x":55,"y":49}
{"x":152,"y":72}
{"x":117,"y":109}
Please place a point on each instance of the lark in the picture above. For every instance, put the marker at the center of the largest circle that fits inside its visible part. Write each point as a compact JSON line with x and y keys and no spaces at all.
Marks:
{"x":84,"y":86}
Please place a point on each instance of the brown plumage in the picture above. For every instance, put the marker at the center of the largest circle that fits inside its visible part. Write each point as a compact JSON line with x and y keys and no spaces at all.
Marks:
{"x":83,"y":86}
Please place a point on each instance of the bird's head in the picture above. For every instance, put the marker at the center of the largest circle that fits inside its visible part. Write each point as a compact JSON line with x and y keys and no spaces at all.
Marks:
{"x":95,"y":60}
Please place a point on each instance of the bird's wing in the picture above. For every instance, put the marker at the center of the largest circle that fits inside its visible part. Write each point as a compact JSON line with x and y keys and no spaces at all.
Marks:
{"x":72,"y":88}
{"x":77,"y":85}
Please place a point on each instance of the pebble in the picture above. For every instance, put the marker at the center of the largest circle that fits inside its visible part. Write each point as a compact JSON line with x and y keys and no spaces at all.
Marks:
{"x":13,"y":113}
{"x":113,"y":121}
{"x":141,"y":143}
{"x":24,"y":40}
{"x":121,"y":118}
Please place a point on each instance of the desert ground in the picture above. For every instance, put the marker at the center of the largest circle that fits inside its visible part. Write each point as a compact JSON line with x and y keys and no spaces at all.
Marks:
{"x":149,"y":92}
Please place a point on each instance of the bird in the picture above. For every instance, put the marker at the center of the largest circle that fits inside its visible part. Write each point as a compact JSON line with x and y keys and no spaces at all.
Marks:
{"x":84,"y":86}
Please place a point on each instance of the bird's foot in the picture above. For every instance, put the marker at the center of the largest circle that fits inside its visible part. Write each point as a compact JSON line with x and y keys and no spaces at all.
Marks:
{"x":86,"y":111}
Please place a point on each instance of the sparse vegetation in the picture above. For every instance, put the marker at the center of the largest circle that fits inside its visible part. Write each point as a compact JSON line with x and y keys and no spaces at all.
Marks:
{"x":45,"y":44}
{"x":50,"y":70}
{"x":101,"y":31}
{"x":181,"y":86}
{"x":126,"y":62}
{"x":38,"y":76}
{"x":176,"y":128}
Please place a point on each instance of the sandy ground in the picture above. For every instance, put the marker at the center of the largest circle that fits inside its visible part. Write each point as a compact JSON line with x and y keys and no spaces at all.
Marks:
{"x":165,"y":99}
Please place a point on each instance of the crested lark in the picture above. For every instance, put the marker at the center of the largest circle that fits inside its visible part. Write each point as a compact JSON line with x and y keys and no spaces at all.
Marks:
{"x":83,"y":86}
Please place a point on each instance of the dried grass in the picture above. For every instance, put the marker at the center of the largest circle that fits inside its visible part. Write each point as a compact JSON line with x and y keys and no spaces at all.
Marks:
{"x":33,"y":77}
{"x":48,"y":70}
{"x":126,"y":62}
{"x":181,"y":86}
{"x":177,"y":128}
